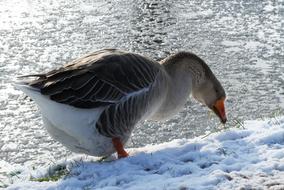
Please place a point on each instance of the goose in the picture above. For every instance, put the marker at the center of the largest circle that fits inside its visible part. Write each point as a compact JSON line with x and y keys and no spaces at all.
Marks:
{"x":92,"y":104}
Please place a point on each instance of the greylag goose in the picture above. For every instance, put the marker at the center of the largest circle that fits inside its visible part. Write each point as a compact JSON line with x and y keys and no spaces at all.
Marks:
{"x":92,"y":104}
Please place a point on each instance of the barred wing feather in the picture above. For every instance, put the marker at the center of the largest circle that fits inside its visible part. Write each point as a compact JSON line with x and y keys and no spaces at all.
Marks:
{"x":121,"y":82}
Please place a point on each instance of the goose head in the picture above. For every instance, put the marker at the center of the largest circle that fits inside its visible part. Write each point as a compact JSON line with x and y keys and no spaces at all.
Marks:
{"x":205,"y":87}
{"x":211,"y":93}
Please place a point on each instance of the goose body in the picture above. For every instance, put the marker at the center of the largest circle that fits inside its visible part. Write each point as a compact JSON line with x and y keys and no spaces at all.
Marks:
{"x":92,"y":104}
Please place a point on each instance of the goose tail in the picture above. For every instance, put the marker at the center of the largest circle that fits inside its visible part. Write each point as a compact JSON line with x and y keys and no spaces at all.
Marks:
{"x":24,"y":84}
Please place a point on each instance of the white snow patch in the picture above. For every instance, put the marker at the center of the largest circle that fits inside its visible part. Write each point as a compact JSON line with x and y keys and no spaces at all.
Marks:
{"x":251,"y":158}
{"x":269,"y":8}
{"x":233,"y":46}
{"x":196,"y":15}
{"x":232,"y":43}
{"x":260,"y":63}
{"x":233,"y":49}
{"x":252,"y":45}
{"x":9,"y":147}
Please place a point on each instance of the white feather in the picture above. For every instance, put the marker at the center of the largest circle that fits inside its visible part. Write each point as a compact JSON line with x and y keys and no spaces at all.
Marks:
{"x":73,"y":127}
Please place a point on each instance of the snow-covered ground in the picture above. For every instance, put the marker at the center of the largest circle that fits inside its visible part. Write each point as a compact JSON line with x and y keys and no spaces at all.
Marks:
{"x":251,"y":157}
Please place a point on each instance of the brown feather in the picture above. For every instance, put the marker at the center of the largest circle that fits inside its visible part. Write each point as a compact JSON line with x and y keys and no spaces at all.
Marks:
{"x":98,"y":79}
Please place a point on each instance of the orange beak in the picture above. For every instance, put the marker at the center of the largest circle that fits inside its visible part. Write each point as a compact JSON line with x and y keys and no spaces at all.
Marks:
{"x":219,"y":109}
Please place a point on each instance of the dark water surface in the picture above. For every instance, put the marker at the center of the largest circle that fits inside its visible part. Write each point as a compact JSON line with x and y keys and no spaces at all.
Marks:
{"x":242,"y":41}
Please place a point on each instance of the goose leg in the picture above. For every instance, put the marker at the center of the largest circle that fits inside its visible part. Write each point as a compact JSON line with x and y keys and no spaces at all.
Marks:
{"x":121,"y":153}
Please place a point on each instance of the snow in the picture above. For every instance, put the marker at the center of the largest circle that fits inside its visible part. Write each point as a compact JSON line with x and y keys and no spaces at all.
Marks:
{"x":9,"y":147}
{"x":248,"y":158}
{"x":231,"y":43}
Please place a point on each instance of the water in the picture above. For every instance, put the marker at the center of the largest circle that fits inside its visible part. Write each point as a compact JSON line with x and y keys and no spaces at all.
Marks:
{"x":242,"y":41}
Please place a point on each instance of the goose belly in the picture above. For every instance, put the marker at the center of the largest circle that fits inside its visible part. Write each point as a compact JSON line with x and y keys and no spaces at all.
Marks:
{"x":87,"y":141}
{"x":75,"y":128}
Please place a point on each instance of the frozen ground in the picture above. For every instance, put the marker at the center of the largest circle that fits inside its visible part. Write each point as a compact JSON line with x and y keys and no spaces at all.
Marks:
{"x":242,"y":41}
{"x":248,"y":158}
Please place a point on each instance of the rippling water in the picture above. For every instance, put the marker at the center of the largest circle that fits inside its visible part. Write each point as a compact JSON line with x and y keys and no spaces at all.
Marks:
{"x":242,"y":41}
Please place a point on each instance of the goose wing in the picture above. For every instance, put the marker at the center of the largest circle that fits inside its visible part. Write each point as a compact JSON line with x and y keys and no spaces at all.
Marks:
{"x":99,"y":79}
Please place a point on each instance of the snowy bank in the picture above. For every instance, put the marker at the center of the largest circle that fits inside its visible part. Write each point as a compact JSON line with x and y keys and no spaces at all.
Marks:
{"x":249,"y":158}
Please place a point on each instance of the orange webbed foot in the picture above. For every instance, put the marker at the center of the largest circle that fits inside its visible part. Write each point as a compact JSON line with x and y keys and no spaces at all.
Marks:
{"x":121,"y":153}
